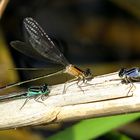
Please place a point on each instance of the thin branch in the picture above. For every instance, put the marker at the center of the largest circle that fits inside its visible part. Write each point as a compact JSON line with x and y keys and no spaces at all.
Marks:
{"x":102,"y":97}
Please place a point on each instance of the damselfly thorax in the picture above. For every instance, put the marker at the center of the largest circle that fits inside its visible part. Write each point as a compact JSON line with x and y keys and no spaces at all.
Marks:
{"x":78,"y":73}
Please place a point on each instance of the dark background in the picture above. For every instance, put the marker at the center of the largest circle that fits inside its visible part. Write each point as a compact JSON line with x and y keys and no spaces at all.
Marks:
{"x":85,"y":31}
{"x":102,"y":35}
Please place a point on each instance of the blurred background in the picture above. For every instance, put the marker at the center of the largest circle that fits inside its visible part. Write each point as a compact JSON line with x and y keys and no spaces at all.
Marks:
{"x":103,"y":35}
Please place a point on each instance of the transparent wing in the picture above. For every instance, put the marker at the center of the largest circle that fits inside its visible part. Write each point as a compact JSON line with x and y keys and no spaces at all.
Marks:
{"x":26,"y":49}
{"x":42,"y":43}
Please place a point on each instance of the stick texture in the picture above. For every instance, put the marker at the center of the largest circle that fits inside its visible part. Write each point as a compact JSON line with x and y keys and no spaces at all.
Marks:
{"x":102,"y":96}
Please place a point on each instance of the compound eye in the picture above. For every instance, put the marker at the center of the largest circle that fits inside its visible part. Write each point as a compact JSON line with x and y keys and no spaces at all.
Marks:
{"x":122,"y":72}
{"x":87,"y":72}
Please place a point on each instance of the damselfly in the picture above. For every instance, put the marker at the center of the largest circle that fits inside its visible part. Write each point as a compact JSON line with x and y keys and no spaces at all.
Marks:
{"x":129,"y":76}
{"x":38,"y":44}
{"x":33,"y":91}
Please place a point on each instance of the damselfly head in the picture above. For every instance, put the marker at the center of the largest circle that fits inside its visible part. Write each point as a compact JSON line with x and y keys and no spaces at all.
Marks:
{"x":88,"y":74}
{"x":122,"y":72}
{"x":44,"y":87}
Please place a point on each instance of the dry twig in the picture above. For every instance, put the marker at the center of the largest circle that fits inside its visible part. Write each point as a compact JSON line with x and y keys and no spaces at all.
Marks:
{"x":101,"y":97}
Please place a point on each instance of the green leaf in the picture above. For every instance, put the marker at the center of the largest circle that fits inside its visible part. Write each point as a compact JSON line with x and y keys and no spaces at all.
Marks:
{"x":93,"y":128}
